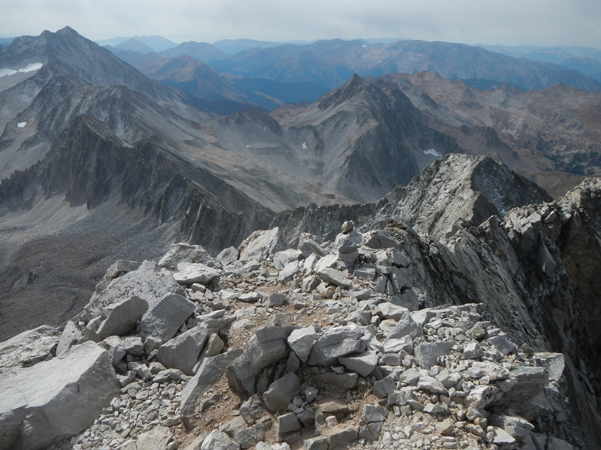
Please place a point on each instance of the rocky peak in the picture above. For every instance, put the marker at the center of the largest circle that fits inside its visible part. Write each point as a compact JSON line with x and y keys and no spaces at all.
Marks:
{"x":460,"y":188}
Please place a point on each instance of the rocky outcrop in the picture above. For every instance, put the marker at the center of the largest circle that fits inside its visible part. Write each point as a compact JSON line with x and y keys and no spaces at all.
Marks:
{"x":450,"y":331}
{"x":55,"y":399}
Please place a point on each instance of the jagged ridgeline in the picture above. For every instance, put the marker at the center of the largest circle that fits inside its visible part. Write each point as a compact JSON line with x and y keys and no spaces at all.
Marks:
{"x":443,"y":330}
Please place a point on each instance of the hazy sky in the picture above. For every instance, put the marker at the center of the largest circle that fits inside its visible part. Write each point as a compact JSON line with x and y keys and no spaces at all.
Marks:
{"x":510,"y":22}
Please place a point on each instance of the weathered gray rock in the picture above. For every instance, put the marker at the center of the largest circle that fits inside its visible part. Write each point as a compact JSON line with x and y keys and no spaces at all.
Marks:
{"x":388,"y":310}
{"x":408,"y":299}
{"x":316,"y":443}
{"x":258,"y":355}
{"x":406,"y":327}
{"x":554,"y":364}
{"x":228,"y":256}
{"x":209,"y":373}
{"x":428,"y":354}
{"x":342,"y":435}
{"x":274,"y":299}
{"x":218,"y":440}
{"x":149,"y":282}
{"x":155,"y":439}
{"x":56,"y":399}
{"x":29,"y":348}
{"x":301,"y":341}
{"x":122,"y":316}
{"x":287,"y":423}
{"x":432,"y":385}
{"x":342,"y":381}
{"x":384,"y":387}
{"x":133,"y":345}
{"x":263,"y":244}
{"x":366,"y":272}
{"x":472,"y":350}
{"x":362,"y":363}
{"x":70,"y":336}
{"x":252,"y":409}
{"x":164,"y":319}
{"x":448,"y":378}
{"x":281,"y":392}
{"x":115,"y":348}
{"x":188,"y":273}
{"x":401,"y":279}
{"x":336,"y":342}
{"x":285,"y":257}
{"x":251,"y":436}
{"x":287,"y":273}
{"x":379,"y":239}
{"x":309,"y":247}
{"x":502,"y":343}
{"x":336,"y":277}
{"x":182,"y":352}
{"x":374,"y":413}
{"x":399,"y":345}
{"x":186,"y":253}
{"x":250,"y":297}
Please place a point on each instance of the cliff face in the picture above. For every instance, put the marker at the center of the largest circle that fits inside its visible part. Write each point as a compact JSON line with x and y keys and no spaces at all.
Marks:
{"x":480,"y":233}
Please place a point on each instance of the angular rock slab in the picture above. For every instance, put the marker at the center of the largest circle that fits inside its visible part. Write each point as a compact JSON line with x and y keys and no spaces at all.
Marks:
{"x":218,"y":440}
{"x":149,"y":282}
{"x":29,"y":347}
{"x":183,"y":351}
{"x":428,"y":354}
{"x":155,"y":439}
{"x":56,"y":399}
{"x":339,"y":341}
{"x":165,"y":318}
{"x":122,"y":317}
{"x":187,"y":253}
{"x":262,"y":244}
{"x":209,"y":373}
{"x":189,"y":273}
{"x":363,"y":363}
{"x":281,"y":391}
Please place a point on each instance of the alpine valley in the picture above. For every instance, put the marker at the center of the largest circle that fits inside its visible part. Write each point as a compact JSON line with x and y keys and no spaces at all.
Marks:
{"x":326,"y":245}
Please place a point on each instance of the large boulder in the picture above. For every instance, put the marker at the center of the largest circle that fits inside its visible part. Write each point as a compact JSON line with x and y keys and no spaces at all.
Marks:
{"x":149,"y":282}
{"x":165,"y":318}
{"x":189,"y":273}
{"x":29,"y":347}
{"x":56,"y":399}
{"x":183,"y":351}
{"x":186,"y":253}
{"x":122,"y":316}
{"x":209,"y":373}
{"x":263,"y":244}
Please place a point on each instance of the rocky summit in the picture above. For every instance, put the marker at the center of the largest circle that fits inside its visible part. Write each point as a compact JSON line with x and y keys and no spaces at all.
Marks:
{"x":480,"y":336}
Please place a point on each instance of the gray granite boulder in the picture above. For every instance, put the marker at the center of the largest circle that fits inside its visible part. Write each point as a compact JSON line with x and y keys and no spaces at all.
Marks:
{"x":56,"y":399}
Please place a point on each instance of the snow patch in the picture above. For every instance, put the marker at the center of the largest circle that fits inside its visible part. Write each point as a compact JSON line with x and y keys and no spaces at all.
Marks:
{"x":29,"y":68}
{"x":432,"y":152}
{"x":21,"y":124}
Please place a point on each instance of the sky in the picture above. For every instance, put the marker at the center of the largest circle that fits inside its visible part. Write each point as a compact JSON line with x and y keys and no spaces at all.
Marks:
{"x":508,"y":22}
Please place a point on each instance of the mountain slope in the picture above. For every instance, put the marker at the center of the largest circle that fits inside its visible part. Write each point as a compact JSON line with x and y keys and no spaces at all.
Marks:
{"x":552,"y":129}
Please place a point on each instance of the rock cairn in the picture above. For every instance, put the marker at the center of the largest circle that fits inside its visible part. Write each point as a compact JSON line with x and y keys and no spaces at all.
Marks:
{"x":319,"y":347}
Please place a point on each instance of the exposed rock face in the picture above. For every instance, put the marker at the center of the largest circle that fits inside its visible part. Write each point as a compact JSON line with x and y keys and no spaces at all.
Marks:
{"x":74,"y":391}
{"x":464,"y":328}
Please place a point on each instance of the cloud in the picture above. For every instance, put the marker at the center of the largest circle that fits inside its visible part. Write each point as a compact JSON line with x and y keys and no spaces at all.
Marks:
{"x":512,"y":22}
